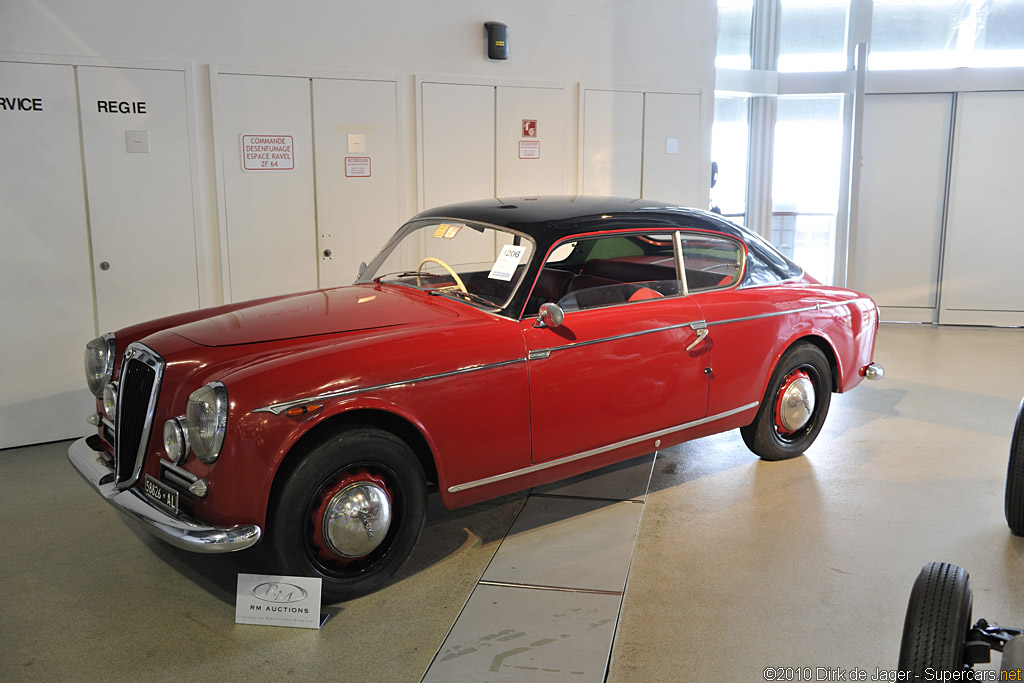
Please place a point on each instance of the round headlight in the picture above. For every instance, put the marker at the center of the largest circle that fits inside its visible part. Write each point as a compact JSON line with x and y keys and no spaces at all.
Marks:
{"x":175,"y":440}
{"x":110,"y":401}
{"x":207,"y":418}
{"x":99,"y":363}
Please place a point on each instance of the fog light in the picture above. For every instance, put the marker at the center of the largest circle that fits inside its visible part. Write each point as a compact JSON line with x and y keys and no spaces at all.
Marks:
{"x":110,"y":401}
{"x":175,"y":440}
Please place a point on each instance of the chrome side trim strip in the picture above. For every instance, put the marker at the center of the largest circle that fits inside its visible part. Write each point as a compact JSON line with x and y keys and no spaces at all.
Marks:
{"x":815,"y":307}
{"x":597,"y":451}
{"x":544,"y":353}
{"x":763,"y":315}
{"x":278,"y":408}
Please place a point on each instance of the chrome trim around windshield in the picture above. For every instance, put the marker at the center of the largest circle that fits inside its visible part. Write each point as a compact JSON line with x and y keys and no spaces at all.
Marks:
{"x":278,"y":408}
{"x":544,"y":353}
{"x":597,"y":451}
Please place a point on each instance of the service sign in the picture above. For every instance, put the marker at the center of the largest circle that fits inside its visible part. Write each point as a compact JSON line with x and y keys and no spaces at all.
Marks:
{"x":278,"y":601}
{"x":268,"y":153}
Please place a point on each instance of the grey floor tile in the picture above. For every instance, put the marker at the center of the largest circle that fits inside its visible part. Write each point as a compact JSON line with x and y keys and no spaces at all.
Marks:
{"x":623,"y":481}
{"x":570,"y":543}
{"x":521,"y":634}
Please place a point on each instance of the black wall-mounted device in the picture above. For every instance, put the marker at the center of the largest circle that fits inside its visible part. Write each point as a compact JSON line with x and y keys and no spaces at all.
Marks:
{"x":497,"y":40}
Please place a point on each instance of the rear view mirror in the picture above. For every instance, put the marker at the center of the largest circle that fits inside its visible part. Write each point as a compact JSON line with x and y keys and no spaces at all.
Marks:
{"x":550,"y":315}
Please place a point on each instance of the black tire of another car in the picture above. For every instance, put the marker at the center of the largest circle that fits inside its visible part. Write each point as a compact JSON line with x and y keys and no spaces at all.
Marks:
{"x":938,"y":620}
{"x":763,"y":435}
{"x":354,"y":455}
{"x":1014,"y":504}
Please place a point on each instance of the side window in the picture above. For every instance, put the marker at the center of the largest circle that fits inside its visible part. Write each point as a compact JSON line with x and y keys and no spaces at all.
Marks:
{"x":608,"y":271}
{"x":711,"y":262}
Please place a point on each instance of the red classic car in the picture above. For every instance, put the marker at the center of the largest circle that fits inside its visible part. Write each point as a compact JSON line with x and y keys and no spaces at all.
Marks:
{"x":491,"y":346}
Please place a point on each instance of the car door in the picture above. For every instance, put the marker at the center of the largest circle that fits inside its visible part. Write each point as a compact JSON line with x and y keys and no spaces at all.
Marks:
{"x":628,"y":359}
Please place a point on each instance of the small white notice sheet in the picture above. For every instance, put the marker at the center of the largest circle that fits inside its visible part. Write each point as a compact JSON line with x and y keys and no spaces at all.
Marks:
{"x":506,"y":264}
{"x":278,"y":601}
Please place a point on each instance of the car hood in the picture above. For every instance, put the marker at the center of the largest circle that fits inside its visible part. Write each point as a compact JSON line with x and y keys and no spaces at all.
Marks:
{"x":332,"y":311}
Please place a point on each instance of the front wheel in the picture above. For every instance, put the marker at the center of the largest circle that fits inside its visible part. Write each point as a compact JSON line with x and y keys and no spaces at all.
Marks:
{"x":350,"y":512}
{"x":938,"y":620}
{"x":1014,"y":502}
{"x":794,"y":406}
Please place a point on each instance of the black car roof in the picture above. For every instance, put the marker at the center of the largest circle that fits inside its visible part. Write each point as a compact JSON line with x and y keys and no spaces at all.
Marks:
{"x":550,"y":218}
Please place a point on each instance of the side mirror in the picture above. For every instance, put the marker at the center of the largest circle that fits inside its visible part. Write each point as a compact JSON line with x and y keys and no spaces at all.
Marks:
{"x":550,"y":315}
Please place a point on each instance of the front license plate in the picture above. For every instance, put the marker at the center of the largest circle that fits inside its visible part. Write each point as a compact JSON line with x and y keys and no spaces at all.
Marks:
{"x":162,"y":494}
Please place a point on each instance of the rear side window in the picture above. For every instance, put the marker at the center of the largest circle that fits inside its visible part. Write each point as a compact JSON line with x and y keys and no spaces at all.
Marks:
{"x":711,"y":262}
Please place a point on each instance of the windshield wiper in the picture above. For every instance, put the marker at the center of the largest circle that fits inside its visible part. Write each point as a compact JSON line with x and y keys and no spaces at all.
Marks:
{"x":470,"y":296}
{"x":399,"y":273}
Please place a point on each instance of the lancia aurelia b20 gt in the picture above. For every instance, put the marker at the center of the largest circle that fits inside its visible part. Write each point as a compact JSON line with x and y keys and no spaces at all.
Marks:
{"x":490,"y":347}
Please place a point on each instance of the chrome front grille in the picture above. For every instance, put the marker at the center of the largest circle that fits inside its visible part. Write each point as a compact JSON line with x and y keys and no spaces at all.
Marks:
{"x":141,"y":372}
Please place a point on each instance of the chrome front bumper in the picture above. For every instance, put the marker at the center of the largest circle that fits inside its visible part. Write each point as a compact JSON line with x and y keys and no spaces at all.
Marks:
{"x":178,"y":531}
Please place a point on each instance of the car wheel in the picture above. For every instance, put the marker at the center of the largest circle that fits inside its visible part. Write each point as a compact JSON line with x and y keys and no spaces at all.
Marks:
{"x":794,"y":406}
{"x":938,"y":620}
{"x":1014,"y":505}
{"x":350,"y":512}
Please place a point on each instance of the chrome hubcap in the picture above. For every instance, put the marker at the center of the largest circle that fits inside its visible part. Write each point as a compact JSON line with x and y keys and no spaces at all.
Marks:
{"x":796,"y":404}
{"x":357,"y":519}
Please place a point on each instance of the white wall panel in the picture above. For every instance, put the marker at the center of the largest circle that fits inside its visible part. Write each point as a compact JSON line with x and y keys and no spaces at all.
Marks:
{"x":357,"y":167}
{"x":673,"y":168}
{"x":47,"y":304}
{"x":269,"y":217}
{"x":458,"y":142}
{"x":982,"y":281}
{"x":897,"y":241}
{"x":530,"y":164}
{"x":612,"y":142}
{"x":458,"y":152}
{"x":139,"y":183}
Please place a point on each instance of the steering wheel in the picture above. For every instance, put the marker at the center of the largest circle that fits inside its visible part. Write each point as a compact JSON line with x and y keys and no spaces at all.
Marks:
{"x":431,"y":259}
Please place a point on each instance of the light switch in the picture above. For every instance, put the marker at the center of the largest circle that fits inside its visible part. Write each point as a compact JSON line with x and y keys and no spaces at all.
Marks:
{"x":671,"y":145}
{"x":356,"y":143}
{"x":136,"y":141}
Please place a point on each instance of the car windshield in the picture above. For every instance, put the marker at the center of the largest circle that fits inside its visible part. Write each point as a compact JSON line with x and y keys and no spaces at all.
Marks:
{"x":476,"y":263}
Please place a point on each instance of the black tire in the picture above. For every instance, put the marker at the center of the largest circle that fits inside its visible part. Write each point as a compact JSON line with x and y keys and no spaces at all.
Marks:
{"x":1014,"y":505}
{"x":764,"y":436}
{"x":938,"y":620}
{"x":360,"y":454}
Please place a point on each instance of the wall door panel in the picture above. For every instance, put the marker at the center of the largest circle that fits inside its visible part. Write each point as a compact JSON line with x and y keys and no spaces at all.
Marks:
{"x":139,"y":180}
{"x":47,"y":304}
{"x":982,"y":280}
{"x":612,"y":142}
{"x":530,"y":159}
{"x":898,"y":240}
{"x":356,"y":137}
{"x":269,"y":215}
{"x":672,"y":171}
{"x":458,"y":151}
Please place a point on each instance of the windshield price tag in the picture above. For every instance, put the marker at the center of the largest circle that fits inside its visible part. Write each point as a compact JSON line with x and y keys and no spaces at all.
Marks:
{"x":506,"y":264}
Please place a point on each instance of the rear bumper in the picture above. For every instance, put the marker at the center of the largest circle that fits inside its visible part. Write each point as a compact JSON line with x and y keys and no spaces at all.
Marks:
{"x":178,"y":531}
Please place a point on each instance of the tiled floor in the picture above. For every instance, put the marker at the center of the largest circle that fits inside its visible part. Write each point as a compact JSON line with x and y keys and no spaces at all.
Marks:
{"x":549,"y":600}
{"x":738,"y":565}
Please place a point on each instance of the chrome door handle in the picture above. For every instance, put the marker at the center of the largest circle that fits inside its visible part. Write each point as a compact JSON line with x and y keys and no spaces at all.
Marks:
{"x":701,"y":333}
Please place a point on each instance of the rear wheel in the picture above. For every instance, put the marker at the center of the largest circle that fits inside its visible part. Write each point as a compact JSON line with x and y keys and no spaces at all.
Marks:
{"x":938,"y":620}
{"x":350,"y":513}
{"x":794,"y":406}
{"x":1014,"y":504}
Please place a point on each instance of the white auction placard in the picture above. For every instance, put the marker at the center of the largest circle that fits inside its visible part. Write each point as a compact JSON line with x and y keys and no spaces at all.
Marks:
{"x":278,"y":601}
